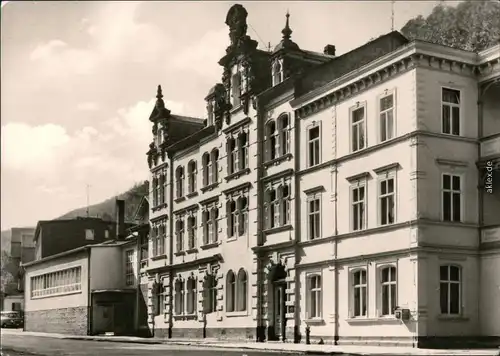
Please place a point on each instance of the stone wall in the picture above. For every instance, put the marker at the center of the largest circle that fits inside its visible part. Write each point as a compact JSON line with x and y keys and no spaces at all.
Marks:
{"x":64,"y":321}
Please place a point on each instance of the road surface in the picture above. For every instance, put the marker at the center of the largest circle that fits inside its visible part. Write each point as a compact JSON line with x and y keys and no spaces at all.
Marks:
{"x":27,"y":345}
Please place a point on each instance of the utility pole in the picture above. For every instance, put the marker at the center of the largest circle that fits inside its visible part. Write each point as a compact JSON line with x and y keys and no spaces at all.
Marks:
{"x":88,"y":199}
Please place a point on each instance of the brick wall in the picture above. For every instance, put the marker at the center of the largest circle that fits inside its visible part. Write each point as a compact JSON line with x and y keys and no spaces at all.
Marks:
{"x":63,"y":321}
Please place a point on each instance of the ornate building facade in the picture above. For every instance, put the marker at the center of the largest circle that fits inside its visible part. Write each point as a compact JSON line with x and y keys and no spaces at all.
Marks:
{"x":349,"y":199}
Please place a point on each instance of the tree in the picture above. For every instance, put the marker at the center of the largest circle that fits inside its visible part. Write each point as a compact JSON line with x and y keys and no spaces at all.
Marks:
{"x":6,"y":277}
{"x":473,"y":25}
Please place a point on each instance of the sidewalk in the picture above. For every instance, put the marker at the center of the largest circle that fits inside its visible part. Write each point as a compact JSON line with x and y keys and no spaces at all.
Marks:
{"x":276,"y":347}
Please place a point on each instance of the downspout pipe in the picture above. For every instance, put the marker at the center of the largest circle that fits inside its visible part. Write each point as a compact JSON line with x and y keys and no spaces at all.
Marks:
{"x":89,"y":295}
{"x":170,"y":245}
{"x":336,"y":232}
{"x":297,"y":223}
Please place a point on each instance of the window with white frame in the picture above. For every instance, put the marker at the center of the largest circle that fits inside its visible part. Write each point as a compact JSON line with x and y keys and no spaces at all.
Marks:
{"x":450,"y":111}
{"x":271,"y":140}
{"x":358,"y":206}
{"x":452,"y":197}
{"x":191,"y":177}
{"x":388,"y":289}
{"x":359,"y":293}
{"x":129,"y":267}
{"x":314,"y":145}
{"x":55,"y":283}
{"x":284,"y":134}
{"x":232,"y":156}
{"x":314,"y":216}
{"x":179,"y":297}
{"x":210,"y":218}
{"x":207,"y":169}
{"x":210,"y":293}
{"x":232,"y":218}
{"x":179,"y":176}
{"x":387,"y":200}
{"x":191,"y":224}
{"x":214,"y":158}
{"x":242,"y":205}
{"x":242,"y":150}
{"x":230,"y":291}
{"x":450,"y":289}
{"x":191,"y":296}
{"x":277,"y":72}
{"x":277,"y":205}
{"x":358,"y":137}
{"x":158,"y":237}
{"x":386,"y":117}
{"x":179,"y":232}
{"x":314,"y":297}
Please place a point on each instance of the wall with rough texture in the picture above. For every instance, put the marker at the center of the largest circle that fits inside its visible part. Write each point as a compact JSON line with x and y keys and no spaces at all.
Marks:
{"x":64,"y":321}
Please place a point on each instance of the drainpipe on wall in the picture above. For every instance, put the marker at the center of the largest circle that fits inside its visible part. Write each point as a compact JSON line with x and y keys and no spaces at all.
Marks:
{"x":170,"y":248}
{"x":89,"y":296}
{"x":335,"y":246}
{"x":296,"y":138}
{"x":260,"y":216}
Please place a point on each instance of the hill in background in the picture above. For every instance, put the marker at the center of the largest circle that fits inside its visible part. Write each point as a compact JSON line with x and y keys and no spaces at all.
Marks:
{"x":106,"y":209}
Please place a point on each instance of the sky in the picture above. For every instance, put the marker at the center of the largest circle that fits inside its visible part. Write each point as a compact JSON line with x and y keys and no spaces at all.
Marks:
{"x":79,"y":81}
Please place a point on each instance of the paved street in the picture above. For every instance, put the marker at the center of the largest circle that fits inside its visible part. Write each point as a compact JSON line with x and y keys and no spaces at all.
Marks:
{"x":17,"y":345}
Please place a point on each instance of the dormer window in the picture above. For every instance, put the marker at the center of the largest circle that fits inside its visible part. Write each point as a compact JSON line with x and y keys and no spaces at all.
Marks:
{"x":210,"y":112}
{"x":277,"y":72}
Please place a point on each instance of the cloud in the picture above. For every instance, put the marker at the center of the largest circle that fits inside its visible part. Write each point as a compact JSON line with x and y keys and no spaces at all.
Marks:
{"x":110,"y":156}
{"x":114,"y":35}
{"x":88,"y":106}
{"x":203,"y":56}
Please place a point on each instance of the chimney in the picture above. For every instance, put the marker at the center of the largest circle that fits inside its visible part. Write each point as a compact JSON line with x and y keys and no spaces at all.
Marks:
{"x":120,"y":219}
{"x":329,"y":49}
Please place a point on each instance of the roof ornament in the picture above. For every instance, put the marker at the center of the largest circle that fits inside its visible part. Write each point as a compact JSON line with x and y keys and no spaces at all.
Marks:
{"x":287,"y":31}
{"x":236,"y":19}
{"x":159,"y":98}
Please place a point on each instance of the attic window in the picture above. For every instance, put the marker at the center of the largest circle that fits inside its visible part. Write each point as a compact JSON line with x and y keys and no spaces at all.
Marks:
{"x":277,"y":72}
{"x":159,"y":137}
{"x":210,"y":112}
{"x":236,"y":89}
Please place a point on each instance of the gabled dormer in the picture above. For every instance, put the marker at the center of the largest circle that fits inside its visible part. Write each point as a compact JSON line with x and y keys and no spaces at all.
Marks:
{"x":216,"y":105}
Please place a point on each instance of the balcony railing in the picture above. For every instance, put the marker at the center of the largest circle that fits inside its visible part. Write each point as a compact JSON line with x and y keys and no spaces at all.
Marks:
{"x":490,"y":147}
{"x":490,"y":234}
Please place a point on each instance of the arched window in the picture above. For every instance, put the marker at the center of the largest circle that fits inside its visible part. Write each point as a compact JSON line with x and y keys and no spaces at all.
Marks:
{"x":179,"y":297}
{"x":179,"y":176}
{"x":450,"y":290}
{"x":214,"y":157}
{"x":271,"y":141}
{"x":242,"y":205}
{"x":179,"y":230}
{"x":388,"y":289}
{"x":207,"y":169}
{"x":192,"y":177}
{"x":191,"y":295}
{"x":243,"y":150}
{"x":314,"y":297}
{"x":242,"y":291}
{"x":284,"y":134}
{"x":191,"y":232}
{"x":230,"y":291}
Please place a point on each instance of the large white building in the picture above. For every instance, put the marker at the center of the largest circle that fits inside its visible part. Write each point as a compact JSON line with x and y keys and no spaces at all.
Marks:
{"x":349,"y":198}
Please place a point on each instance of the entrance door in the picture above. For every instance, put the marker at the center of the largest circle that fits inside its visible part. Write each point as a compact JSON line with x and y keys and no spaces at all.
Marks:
{"x":279,"y":309}
{"x":108,"y":317}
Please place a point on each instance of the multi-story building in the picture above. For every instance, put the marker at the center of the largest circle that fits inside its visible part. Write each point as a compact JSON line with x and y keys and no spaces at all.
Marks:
{"x":334,"y":198}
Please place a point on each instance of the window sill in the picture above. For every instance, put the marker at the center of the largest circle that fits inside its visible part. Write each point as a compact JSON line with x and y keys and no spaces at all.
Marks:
{"x":159,"y":257}
{"x":315,"y":321}
{"x":236,"y":175}
{"x":236,"y":314}
{"x":445,"y":317}
{"x":185,"y":317}
{"x":210,"y":245}
{"x":209,"y":187}
{"x":278,"y":160}
{"x":192,"y":250}
{"x":380,"y":320}
{"x":179,"y":253}
{"x":236,"y":109}
{"x":159,"y":207}
{"x":275,"y":230}
{"x":192,"y":194}
{"x":179,"y":199}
